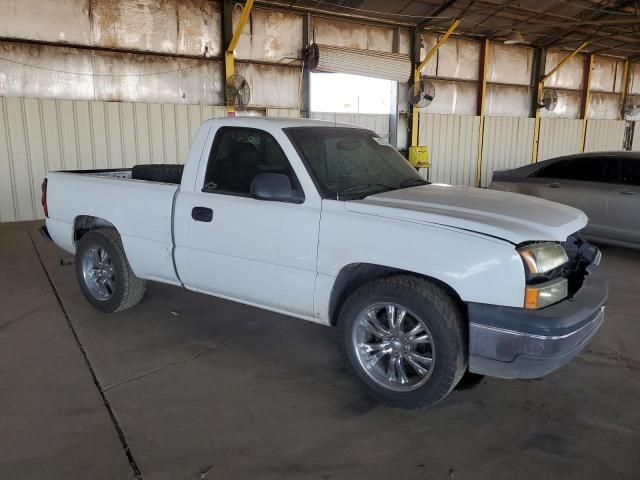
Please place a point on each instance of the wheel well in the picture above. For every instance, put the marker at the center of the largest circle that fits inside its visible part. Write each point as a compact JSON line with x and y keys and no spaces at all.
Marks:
{"x":355,"y":275}
{"x":86,"y":223}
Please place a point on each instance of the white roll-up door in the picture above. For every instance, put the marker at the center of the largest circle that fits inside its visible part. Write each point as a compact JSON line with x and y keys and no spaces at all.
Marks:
{"x":368,"y":63}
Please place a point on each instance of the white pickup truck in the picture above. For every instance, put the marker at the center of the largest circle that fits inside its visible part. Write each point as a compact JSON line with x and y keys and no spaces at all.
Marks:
{"x":328,"y":223}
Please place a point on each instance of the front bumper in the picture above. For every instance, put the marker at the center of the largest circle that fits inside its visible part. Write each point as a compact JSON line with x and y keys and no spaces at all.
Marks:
{"x":508,"y":342}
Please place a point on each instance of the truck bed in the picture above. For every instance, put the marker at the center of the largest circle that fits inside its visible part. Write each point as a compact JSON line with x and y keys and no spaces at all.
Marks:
{"x":160,"y":173}
{"x":141,"y":211}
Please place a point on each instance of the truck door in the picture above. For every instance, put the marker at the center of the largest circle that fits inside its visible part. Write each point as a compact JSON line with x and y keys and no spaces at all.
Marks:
{"x":254,"y":251}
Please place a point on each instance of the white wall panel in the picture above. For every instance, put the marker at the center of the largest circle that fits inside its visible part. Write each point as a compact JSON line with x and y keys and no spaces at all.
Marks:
{"x":379,"y":123}
{"x":269,"y":36}
{"x":635,"y":146}
{"x":283,"y":112}
{"x":604,"y":135}
{"x":559,"y":136}
{"x":167,"y":26}
{"x":37,"y":136}
{"x":453,"y":147}
{"x":507,"y":143}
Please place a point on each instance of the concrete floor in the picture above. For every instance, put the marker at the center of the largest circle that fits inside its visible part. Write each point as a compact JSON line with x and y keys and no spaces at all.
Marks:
{"x":185,"y":386}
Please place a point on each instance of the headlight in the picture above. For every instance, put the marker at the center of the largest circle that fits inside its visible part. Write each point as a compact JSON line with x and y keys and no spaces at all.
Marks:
{"x":540,"y":258}
{"x":545,"y":294}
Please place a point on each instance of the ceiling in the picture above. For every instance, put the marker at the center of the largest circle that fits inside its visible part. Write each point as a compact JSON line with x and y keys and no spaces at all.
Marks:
{"x":611,"y":27}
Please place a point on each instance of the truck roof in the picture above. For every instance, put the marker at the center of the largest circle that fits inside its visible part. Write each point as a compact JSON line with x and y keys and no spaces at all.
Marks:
{"x":267,"y":123}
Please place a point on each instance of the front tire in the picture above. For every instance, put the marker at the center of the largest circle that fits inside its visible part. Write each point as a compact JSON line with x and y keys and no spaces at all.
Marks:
{"x":404,"y":339}
{"x":104,"y":274}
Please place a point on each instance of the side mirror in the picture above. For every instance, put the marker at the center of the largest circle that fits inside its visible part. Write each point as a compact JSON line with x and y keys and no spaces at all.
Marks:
{"x":275,"y":187}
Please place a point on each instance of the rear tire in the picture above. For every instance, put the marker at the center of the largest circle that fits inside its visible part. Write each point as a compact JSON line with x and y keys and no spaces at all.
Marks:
{"x":413,"y":361}
{"x":104,"y":274}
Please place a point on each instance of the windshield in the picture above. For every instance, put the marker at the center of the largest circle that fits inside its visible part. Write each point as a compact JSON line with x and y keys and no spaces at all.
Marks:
{"x":349,"y":163}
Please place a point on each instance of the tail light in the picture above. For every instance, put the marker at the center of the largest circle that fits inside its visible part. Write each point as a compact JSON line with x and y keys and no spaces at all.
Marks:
{"x":43,"y":199}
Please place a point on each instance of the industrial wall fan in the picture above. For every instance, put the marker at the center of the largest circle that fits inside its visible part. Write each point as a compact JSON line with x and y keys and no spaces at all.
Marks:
{"x":238,"y":92}
{"x":549,"y":99}
{"x":631,"y":109}
{"x":422,"y":93}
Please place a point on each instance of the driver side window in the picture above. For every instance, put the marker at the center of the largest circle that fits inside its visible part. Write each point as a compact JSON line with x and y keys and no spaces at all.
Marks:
{"x":238,"y":155}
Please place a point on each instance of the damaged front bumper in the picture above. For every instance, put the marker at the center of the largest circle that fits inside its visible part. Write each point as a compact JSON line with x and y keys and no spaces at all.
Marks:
{"x":508,"y":342}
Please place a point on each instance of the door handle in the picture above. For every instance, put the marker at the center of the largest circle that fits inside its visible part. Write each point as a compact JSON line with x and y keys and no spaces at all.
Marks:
{"x":554,"y":185}
{"x":626,"y":192}
{"x":202,"y":214}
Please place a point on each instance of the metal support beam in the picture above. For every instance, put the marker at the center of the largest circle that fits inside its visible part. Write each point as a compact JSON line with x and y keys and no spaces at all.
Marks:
{"x":564,"y":60}
{"x":394,"y":113}
{"x":227,"y":21}
{"x":435,"y":48}
{"x":482,"y":90}
{"x":306,"y":74}
{"x":537,"y":72}
{"x":624,"y":88}
{"x":229,"y":65}
{"x":416,"y":77}
{"x":586,"y":97}
{"x":540,"y":87}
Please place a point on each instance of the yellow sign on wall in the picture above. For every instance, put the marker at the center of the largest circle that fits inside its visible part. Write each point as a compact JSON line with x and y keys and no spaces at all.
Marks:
{"x":419,"y":157}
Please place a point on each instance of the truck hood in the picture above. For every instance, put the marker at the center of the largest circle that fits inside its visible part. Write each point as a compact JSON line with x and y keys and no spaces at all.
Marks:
{"x":510,"y":216}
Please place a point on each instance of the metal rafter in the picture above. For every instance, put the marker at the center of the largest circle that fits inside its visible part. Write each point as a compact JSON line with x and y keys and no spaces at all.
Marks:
{"x":599,"y":14}
{"x":556,"y":24}
{"x":437,"y":11}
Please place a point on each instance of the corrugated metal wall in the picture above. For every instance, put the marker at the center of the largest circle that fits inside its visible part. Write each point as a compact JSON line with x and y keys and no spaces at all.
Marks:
{"x":377,"y":122}
{"x":37,"y":136}
{"x":604,"y":135}
{"x":453,"y":147}
{"x":507,"y":143}
{"x":559,"y":136}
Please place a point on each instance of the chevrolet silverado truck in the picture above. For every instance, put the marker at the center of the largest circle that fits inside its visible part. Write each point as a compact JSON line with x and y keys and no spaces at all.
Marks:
{"x":328,"y":223}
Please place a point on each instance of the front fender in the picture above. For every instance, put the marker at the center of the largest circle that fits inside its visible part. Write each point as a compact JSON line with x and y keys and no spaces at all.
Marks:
{"x":477,"y":267}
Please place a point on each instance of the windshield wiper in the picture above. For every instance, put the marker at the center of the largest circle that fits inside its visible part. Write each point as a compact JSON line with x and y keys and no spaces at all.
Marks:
{"x":364,"y":186}
{"x":409,"y":182}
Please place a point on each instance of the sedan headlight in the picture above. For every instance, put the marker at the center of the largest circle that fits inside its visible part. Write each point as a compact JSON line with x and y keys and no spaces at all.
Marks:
{"x":539,"y":260}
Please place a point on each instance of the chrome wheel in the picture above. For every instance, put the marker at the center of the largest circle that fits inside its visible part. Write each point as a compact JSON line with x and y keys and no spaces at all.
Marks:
{"x":98,"y":273}
{"x":394,"y":346}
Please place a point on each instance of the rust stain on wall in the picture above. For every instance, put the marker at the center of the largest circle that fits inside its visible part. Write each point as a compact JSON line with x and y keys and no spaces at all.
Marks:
{"x":105,"y":17}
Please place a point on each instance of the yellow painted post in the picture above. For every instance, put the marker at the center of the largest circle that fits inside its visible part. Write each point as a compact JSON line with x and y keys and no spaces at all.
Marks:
{"x":536,"y":130}
{"x":229,"y":64}
{"x":624,"y":87}
{"x":482,"y":92}
{"x":416,"y":79}
{"x":586,"y":99}
{"x":536,"y":127}
{"x":414,"y":113}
